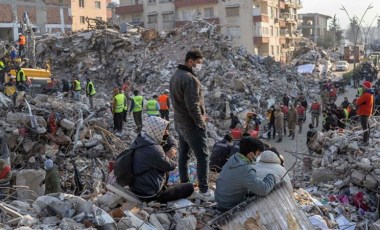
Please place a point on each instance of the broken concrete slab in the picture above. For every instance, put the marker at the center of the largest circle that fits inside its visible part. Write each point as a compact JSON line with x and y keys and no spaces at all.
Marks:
{"x":31,"y":178}
{"x":188,"y":222}
{"x":67,"y":124}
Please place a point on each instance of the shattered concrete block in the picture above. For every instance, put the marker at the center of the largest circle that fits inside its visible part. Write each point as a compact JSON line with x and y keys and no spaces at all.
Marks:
{"x":366,"y":167}
{"x":187,"y":223}
{"x":357,"y":177}
{"x":28,"y":146}
{"x":23,"y":206}
{"x":51,"y":220}
{"x":164,"y":219}
{"x":32,"y":179}
{"x":27,"y":220}
{"x":62,"y":209}
{"x":131,"y":221}
{"x":69,"y":224}
{"x":323,"y":175}
{"x":67,"y":124}
{"x":156,"y":223}
{"x":51,"y":150}
{"x":23,"y":119}
{"x":110,"y":199}
{"x":370,"y":182}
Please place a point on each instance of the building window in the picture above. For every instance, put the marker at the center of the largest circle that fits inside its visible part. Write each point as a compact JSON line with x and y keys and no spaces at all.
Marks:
{"x":82,"y":19}
{"x":168,"y":17}
{"x":136,"y":18}
{"x":187,"y":15}
{"x":272,"y":49}
{"x":209,"y":13}
{"x":151,"y":1}
{"x":165,"y":1}
{"x":232,"y":11}
{"x":233,"y":31}
{"x":99,"y":18}
{"x":152,"y":18}
{"x":81,"y":3}
{"x":97,"y":5}
{"x":271,"y":30}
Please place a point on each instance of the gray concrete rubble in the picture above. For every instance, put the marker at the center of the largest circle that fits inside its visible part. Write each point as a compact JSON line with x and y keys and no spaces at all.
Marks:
{"x":82,"y":144}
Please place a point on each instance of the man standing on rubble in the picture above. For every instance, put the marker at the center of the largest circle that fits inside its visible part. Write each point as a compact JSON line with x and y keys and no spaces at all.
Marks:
{"x":52,"y":179}
{"x":285,"y":100}
{"x":325,"y":96}
{"x":137,"y":104}
{"x":315,"y":111}
{"x":190,"y":120}
{"x":278,"y":122}
{"x":164,"y":102}
{"x":292,"y":120}
{"x":284,"y":110}
{"x":365,"y":104}
{"x":118,"y":106}
{"x":301,"y":116}
{"x":153,"y":107}
{"x":21,"y":44}
{"x":238,"y":177}
{"x":76,"y":89}
{"x":90,"y":92}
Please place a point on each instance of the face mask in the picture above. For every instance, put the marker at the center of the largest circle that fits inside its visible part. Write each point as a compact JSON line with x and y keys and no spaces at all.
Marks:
{"x":197,"y":68}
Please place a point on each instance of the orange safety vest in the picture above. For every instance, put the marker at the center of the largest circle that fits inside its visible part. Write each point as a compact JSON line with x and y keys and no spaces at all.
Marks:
{"x":315,"y":106}
{"x":22,"y":40}
{"x":163,"y":101}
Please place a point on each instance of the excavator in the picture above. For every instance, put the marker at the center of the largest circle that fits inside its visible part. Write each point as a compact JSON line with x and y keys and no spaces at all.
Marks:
{"x":38,"y":78}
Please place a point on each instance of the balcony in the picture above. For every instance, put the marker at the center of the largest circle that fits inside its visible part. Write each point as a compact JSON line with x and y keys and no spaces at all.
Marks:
{"x":281,"y":4}
{"x":260,"y":40}
{"x":129,"y":9}
{"x":186,"y":3}
{"x":281,"y":23}
{"x":261,"y":18}
{"x":282,"y":41}
{"x":180,"y":22}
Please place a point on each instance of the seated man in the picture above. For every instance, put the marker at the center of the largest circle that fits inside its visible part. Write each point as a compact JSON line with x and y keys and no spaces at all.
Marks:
{"x":238,"y":177}
{"x":271,"y":162}
{"x":220,"y":153}
{"x":153,"y":160}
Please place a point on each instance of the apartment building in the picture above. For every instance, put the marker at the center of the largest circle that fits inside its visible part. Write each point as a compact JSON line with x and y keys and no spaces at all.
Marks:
{"x":254,"y":24}
{"x":80,"y":9}
{"x":45,"y":16}
{"x":314,"y":26}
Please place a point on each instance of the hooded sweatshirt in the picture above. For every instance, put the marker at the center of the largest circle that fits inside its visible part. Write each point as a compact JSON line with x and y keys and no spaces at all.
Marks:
{"x":270,"y":163}
{"x":237,"y":179}
{"x":150,"y":159}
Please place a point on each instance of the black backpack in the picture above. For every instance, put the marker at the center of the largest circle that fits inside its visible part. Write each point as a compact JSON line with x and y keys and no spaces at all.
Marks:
{"x":123,"y":167}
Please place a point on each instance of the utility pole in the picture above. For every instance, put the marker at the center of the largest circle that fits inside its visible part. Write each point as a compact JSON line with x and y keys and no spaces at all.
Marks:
{"x":356,"y":30}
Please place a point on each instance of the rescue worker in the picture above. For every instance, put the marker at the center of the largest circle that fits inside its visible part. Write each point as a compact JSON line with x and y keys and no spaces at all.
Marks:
{"x":76,"y":87}
{"x":345,"y":103}
{"x":278,"y":122}
{"x":118,"y":106}
{"x":21,"y":44}
{"x":137,"y":104}
{"x":330,"y":122}
{"x":164,"y":102}
{"x":90,"y":92}
{"x":315,"y":111}
{"x":284,"y":110}
{"x":20,"y":76}
{"x":292,"y":120}
{"x":360,"y":91}
{"x":2,"y":72}
{"x":301,"y":116}
{"x":52,"y":179}
{"x":153,"y":107}
{"x":220,"y":153}
{"x":325,"y":95}
{"x":365,"y":104}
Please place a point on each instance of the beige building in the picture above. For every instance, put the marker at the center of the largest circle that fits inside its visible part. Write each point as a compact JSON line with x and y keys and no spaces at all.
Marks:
{"x":80,"y":9}
{"x":261,"y":26}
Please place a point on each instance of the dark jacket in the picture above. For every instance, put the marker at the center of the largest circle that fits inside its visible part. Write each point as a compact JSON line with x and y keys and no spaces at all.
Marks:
{"x":150,"y":158}
{"x":52,"y":181}
{"x":310,"y":134}
{"x":238,"y":179}
{"x":187,"y":98}
{"x":285,"y":100}
{"x":220,"y":154}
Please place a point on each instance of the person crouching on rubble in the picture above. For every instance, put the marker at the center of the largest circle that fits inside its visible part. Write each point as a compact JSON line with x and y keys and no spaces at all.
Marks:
{"x":221,"y":152}
{"x":52,"y":179}
{"x":238,"y":177}
{"x":271,"y":162}
{"x":153,"y":160}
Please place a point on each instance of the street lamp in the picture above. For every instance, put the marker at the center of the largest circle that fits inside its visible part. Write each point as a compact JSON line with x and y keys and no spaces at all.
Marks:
{"x":356,"y":32}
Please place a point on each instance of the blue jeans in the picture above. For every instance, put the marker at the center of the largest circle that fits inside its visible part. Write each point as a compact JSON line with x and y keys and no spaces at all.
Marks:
{"x":193,"y":139}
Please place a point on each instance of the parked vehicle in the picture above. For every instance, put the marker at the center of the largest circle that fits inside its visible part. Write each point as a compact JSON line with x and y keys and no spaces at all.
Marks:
{"x":342,"y":66}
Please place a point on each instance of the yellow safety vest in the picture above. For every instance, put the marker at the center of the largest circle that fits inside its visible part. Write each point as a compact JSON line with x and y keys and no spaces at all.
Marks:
{"x":2,"y":65}
{"x":360,"y":91}
{"x":137,"y":100}
{"x":20,"y":76}
{"x":119,"y":103}
{"x":77,"y":85}
{"x":126,"y":104}
{"x":152,"y":107}
{"x":93,"y":91}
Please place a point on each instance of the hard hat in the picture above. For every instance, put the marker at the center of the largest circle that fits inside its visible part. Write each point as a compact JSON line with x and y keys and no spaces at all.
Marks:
{"x":166,"y":91}
{"x":19,"y":33}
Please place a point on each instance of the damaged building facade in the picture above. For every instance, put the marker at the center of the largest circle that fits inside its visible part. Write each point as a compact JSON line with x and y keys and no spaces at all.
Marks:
{"x":271,"y":32}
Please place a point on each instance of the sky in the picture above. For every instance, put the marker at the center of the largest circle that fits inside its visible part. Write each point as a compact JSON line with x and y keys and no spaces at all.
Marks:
{"x":354,"y":7}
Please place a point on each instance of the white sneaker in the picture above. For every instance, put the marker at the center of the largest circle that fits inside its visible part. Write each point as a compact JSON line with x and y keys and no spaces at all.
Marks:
{"x":208,"y":196}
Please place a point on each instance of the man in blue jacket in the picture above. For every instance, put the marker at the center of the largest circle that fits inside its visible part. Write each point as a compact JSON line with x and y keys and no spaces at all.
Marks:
{"x":238,"y":176}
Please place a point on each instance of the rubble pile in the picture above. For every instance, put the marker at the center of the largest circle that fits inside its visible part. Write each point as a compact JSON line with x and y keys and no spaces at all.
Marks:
{"x":233,"y":78}
{"x":344,"y":179}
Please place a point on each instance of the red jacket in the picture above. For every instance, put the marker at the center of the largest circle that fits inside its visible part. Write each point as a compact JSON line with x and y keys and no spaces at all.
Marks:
{"x":300,"y":110}
{"x":365,"y":104}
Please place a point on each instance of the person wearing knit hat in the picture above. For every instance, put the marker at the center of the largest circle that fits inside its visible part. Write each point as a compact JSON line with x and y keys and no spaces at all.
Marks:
{"x":365,"y":105}
{"x":52,"y":179}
